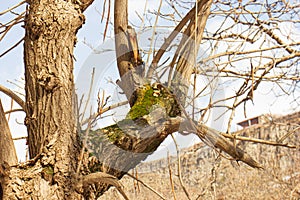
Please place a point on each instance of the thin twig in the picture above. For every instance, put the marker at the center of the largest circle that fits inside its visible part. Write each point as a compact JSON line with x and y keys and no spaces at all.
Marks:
{"x":102,"y":177}
{"x":255,"y":140}
{"x":179,"y":169}
{"x":12,"y":95}
{"x":12,"y":23}
{"x":147,"y":186}
{"x":13,"y":7}
{"x":168,"y":41}
{"x":89,"y":94}
{"x":137,"y":177}
{"x":11,"y":48}
{"x":108,"y":108}
{"x":170,"y":176}
{"x":107,"y":18}
{"x":14,"y":110}
{"x":214,"y":176}
{"x":84,"y":146}
{"x":287,"y":135}
{"x":153,"y":32}
{"x":20,"y":138}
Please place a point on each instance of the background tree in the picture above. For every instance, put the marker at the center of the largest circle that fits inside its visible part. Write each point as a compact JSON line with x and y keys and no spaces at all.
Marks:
{"x":59,"y":168}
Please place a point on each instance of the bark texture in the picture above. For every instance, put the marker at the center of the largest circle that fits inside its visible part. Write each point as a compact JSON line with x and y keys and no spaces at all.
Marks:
{"x":49,"y":42}
{"x":121,"y":42}
{"x":50,"y":36}
{"x":127,"y":67}
{"x":155,"y":114}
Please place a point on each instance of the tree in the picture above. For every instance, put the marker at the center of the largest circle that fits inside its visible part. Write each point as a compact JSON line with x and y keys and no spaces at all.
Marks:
{"x":60,"y":168}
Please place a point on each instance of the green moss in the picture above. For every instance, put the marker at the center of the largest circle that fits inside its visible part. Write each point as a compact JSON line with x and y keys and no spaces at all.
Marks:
{"x":114,"y":133}
{"x":145,"y":100}
{"x":148,"y":96}
{"x":91,"y":154}
{"x":48,"y":170}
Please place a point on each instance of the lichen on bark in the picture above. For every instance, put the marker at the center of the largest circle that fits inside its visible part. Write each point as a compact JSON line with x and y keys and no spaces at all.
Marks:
{"x":150,"y":97}
{"x":154,"y":104}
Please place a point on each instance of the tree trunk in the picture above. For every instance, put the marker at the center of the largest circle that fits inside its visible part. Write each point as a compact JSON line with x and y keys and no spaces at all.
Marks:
{"x":50,"y":35}
{"x":49,"y":42}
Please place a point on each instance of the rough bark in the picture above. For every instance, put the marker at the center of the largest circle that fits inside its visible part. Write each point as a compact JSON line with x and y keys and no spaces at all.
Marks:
{"x":48,"y":46}
{"x":215,"y":139}
{"x":48,"y":55}
{"x":8,"y":154}
{"x":7,"y":151}
{"x":120,"y":149}
{"x":130,"y":79}
{"x":50,"y":36}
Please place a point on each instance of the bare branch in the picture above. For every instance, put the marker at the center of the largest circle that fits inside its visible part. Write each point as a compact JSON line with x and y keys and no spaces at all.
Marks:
{"x":14,"y":22}
{"x":179,"y":169}
{"x":13,"y":7}
{"x":12,"y":95}
{"x":170,"y":176}
{"x":103,"y":110}
{"x":121,"y":41}
{"x":260,"y":141}
{"x":100,"y":177}
{"x":20,"y":138}
{"x":11,"y":48}
{"x":147,"y":186}
{"x":13,"y":110}
{"x":168,"y":41}
{"x":217,"y":140}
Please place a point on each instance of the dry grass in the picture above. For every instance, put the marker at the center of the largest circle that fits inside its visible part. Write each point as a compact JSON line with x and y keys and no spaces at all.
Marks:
{"x":220,"y":179}
{"x":206,"y":175}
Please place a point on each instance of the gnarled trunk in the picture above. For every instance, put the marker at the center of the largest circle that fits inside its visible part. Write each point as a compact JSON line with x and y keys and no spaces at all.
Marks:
{"x":50,"y":35}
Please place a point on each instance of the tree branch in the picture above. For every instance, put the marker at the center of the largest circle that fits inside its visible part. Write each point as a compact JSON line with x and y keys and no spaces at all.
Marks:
{"x":105,"y":178}
{"x":216,"y":139}
{"x":130,"y":80}
{"x":84,"y":4}
{"x":121,"y":40}
{"x":13,"y":7}
{"x":12,"y":95}
{"x":168,"y":41}
{"x":146,"y":186}
{"x":7,"y":150}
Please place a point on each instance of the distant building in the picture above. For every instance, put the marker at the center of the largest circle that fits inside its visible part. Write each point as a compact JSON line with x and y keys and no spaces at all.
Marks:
{"x":248,"y":122}
{"x":268,"y":119}
{"x":262,"y":119}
